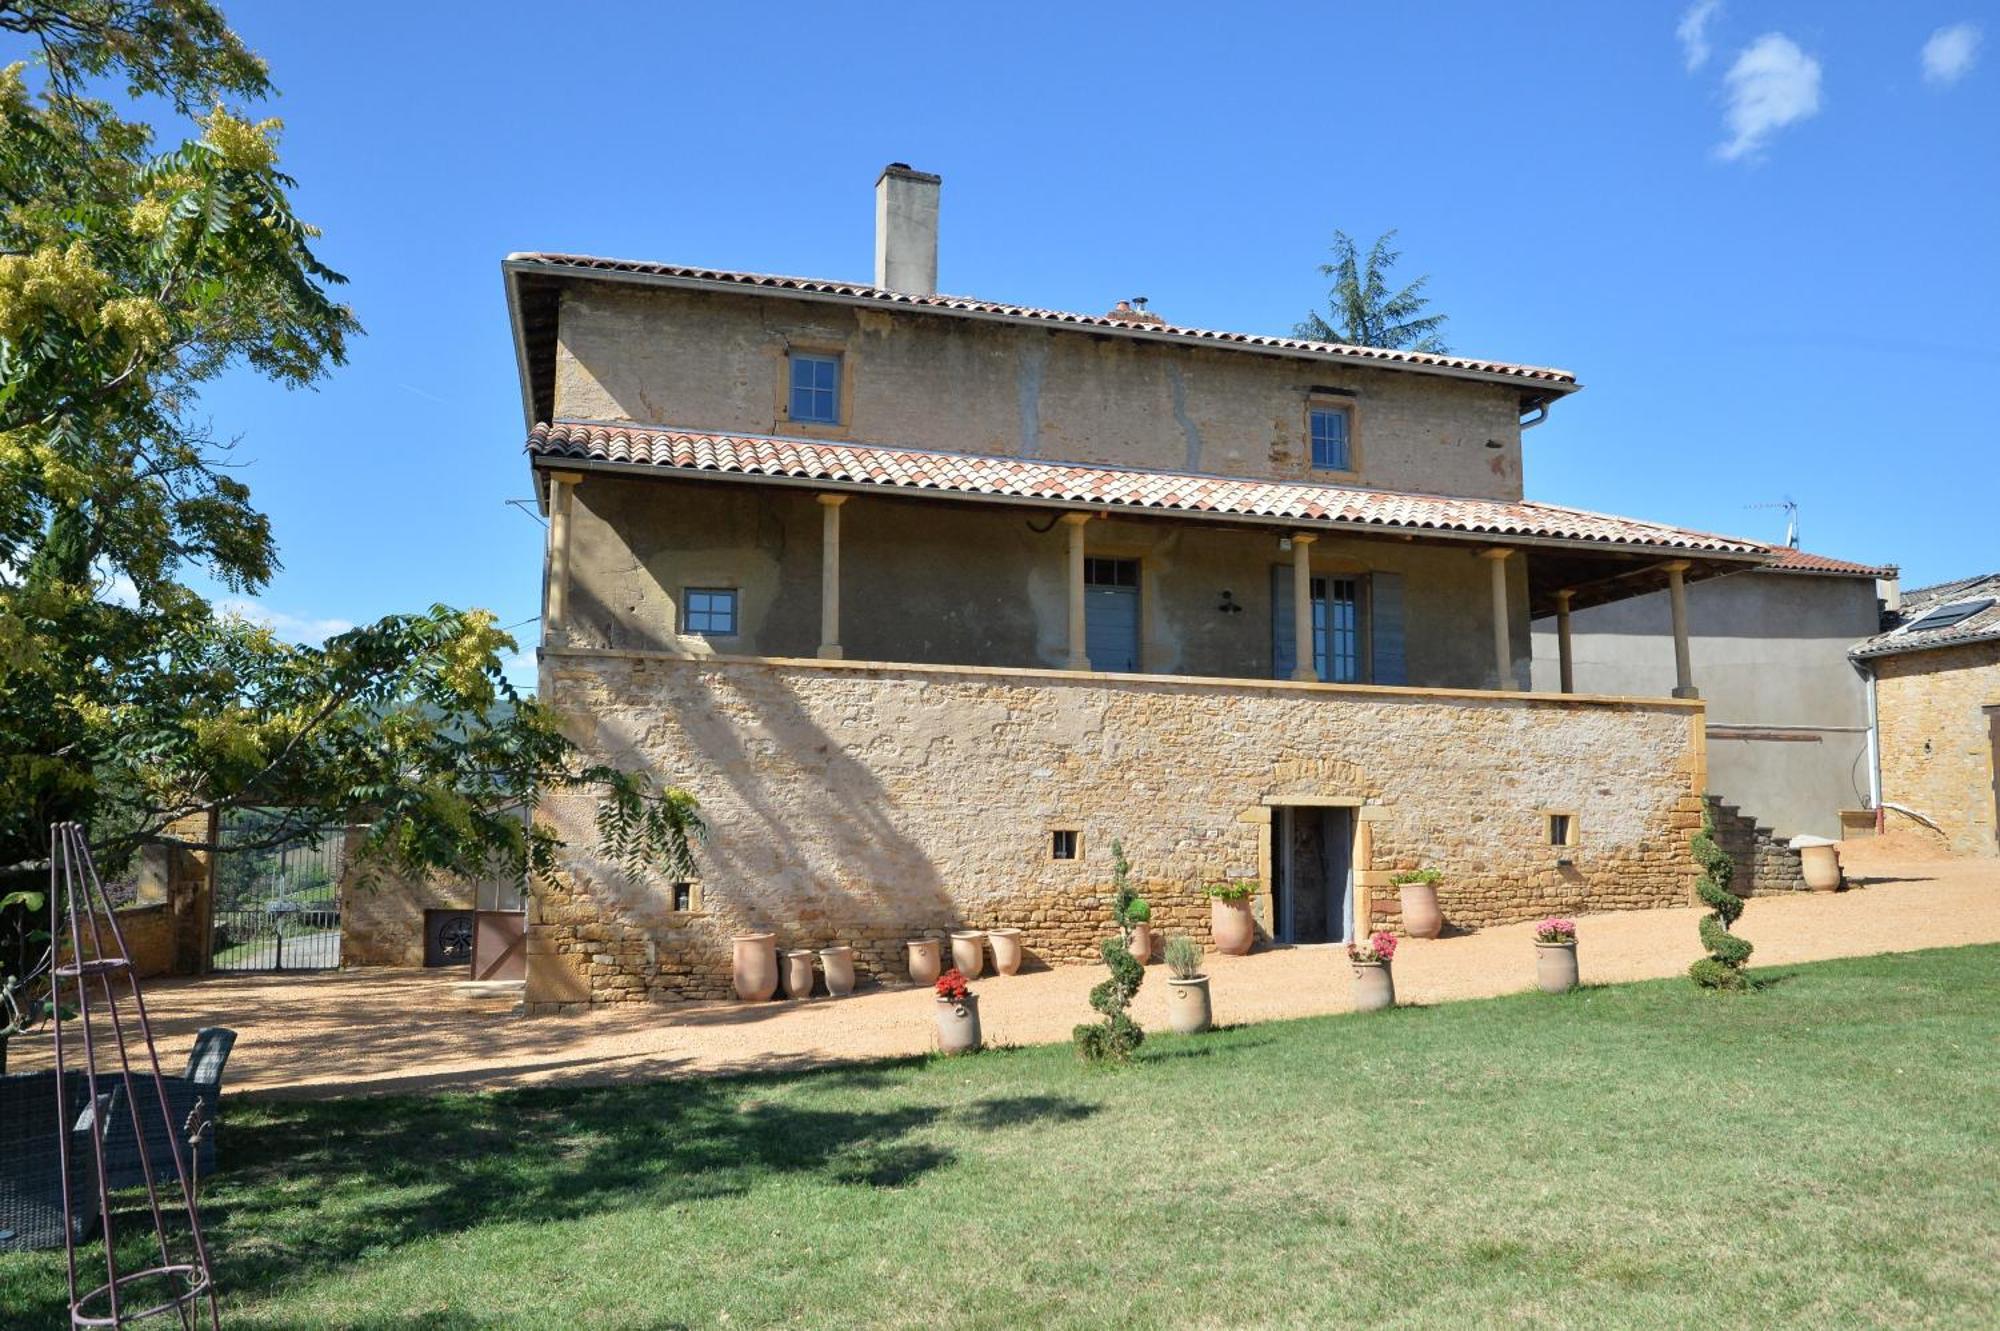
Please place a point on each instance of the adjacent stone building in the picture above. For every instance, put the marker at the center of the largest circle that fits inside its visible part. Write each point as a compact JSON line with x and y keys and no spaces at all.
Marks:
{"x":928,"y":600}
{"x":1936,"y":673}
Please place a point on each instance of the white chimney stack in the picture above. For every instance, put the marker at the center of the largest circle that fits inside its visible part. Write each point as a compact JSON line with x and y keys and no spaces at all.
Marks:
{"x":906,"y":230}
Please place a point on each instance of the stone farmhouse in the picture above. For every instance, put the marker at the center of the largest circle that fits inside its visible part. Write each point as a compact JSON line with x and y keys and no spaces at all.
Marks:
{"x":1935,"y":672}
{"x":930,"y":599}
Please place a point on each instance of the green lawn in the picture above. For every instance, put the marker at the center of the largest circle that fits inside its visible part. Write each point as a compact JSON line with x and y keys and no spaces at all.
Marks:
{"x":1822,"y":1153}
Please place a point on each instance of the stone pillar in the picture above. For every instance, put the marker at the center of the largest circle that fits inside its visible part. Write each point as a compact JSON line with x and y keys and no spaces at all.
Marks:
{"x":1503,"y":644}
{"x":555,"y":619}
{"x":1683,"y":659}
{"x":1302,"y":606}
{"x":1565,"y":658}
{"x":829,"y":577}
{"x":1079,"y":658}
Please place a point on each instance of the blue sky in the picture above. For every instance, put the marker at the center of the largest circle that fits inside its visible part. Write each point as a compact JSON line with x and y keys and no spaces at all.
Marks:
{"x":1762,"y":234}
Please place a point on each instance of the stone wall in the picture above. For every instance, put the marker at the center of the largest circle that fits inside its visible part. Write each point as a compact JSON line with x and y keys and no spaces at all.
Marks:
{"x":149,"y":934}
{"x":382,"y":912}
{"x":1764,"y":865}
{"x":866,"y":804}
{"x":717,"y":361}
{"x":1935,"y":711}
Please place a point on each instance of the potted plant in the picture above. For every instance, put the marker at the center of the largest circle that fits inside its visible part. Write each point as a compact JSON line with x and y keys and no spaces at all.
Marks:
{"x":1229,"y":916}
{"x":968,"y":951}
{"x":755,"y":967}
{"x":838,"y":963}
{"x":957,"y":1014}
{"x":924,"y":960}
{"x":1374,"y":987}
{"x":1555,"y":955}
{"x":1188,"y":1008}
{"x":1139,"y":930}
{"x":1006,"y":949}
{"x":799,"y":973}
{"x":1419,"y":891}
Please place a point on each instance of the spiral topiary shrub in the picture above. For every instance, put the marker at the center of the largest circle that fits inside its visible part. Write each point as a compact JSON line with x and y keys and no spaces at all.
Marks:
{"x":1113,"y":1039}
{"x":1722,"y":968}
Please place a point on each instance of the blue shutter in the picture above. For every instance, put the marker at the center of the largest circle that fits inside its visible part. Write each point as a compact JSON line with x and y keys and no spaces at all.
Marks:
{"x":1385,"y":609}
{"x":1281,"y":622}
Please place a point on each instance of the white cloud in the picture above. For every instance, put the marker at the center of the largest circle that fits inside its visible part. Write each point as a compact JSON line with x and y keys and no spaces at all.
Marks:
{"x":1772,"y":84}
{"x":1951,"y":53}
{"x":291,"y":627}
{"x":1693,"y":32}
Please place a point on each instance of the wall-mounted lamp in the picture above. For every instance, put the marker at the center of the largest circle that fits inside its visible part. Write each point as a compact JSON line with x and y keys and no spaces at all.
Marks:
{"x":1494,"y":443}
{"x":1229,"y":605}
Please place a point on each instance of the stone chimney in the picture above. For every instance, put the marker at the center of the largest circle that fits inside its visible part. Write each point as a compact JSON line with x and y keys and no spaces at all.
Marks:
{"x":906,"y":230}
{"x":1133,"y":311}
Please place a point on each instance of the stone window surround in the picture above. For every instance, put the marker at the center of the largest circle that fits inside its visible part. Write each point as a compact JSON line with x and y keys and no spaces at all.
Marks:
{"x":1049,"y":834}
{"x":1573,"y":829}
{"x":1321,"y":399}
{"x":781,"y":409}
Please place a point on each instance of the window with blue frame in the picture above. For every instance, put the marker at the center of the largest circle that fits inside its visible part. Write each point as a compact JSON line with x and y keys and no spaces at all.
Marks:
{"x":1336,"y":630}
{"x":1330,"y":451}
{"x":710,"y":611}
{"x":815,"y":388}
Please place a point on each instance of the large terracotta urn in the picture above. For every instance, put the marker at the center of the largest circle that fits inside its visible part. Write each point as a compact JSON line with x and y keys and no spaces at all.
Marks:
{"x":958,"y":1024}
{"x":1188,"y":1009}
{"x":1819,"y":860}
{"x":1006,"y":950}
{"x":1235,"y":927}
{"x":968,"y":952}
{"x":1421,"y":916}
{"x":799,"y":973}
{"x":838,"y":963}
{"x":923,"y":959}
{"x":1141,"y":946}
{"x":1555,"y":967}
{"x":755,"y":969}
{"x":1374,"y":987}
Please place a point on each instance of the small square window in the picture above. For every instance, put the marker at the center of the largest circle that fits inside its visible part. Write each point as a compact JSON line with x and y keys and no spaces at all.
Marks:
{"x":1329,"y":439}
{"x":683,"y":896}
{"x":815,"y":388}
{"x":1063,"y":843}
{"x":1562,"y":829}
{"x":710,"y":611}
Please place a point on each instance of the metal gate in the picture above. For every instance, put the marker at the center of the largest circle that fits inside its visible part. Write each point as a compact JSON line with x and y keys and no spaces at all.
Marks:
{"x":276,"y":908}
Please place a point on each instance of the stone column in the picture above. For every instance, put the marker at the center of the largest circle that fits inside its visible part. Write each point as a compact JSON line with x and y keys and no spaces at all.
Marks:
{"x":1302,"y":606}
{"x":1079,"y":658}
{"x":1503,"y":644}
{"x":829,"y":577}
{"x":1567,"y":662}
{"x":1683,"y":659}
{"x":555,"y":619}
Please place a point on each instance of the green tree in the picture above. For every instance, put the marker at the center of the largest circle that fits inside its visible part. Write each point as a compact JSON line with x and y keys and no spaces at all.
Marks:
{"x":1363,"y":312}
{"x":132,"y":272}
{"x":1722,"y":968}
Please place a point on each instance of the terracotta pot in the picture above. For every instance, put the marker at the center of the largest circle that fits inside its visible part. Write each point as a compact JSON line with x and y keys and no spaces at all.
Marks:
{"x":799,"y":973}
{"x":968,"y":952}
{"x":1006,"y":949}
{"x":1555,"y":967}
{"x":1235,"y":928}
{"x":1141,"y":946}
{"x":1821,"y":865}
{"x":924,"y":964}
{"x":1421,"y":916}
{"x":1188,"y":1009}
{"x":1374,"y":988}
{"x":755,"y":968}
{"x":958,"y":1025}
{"x":838,"y":963}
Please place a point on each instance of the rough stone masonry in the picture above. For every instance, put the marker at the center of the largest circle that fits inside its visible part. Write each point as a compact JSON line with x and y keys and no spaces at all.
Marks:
{"x":867,"y":804}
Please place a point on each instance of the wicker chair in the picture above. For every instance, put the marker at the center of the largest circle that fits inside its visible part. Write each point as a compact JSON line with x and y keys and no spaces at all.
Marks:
{"x":193,"y":1097}
{"x":31,"y":1200}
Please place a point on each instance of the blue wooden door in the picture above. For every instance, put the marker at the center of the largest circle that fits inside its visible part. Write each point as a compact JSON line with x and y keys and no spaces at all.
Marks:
{"x":1111,"y":613}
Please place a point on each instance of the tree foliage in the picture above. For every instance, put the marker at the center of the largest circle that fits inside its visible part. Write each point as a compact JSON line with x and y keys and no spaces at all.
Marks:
{"x":132,"y":272}
{"x":1361,"y":309}
{"x":1722,"y":968}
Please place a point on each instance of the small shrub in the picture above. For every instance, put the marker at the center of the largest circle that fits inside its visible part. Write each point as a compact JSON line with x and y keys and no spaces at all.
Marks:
{"x":1138,"y":912}
{"x":1722,"y":968}
{"x":1113,"y":1039}
{"x":1238,"y":889}
{"x":1378,"y":946}
{"x":1183,"y":958}
{"x":1408,"y":876}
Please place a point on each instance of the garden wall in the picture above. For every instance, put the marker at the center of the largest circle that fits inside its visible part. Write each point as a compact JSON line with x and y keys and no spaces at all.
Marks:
{"x":867,"y":803}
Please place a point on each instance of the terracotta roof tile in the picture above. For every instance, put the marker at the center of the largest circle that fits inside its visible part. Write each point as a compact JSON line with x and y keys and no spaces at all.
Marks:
{"x":1798,"y":561}
{"x":1561,"y":380}
{"x":1105,"y":487}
